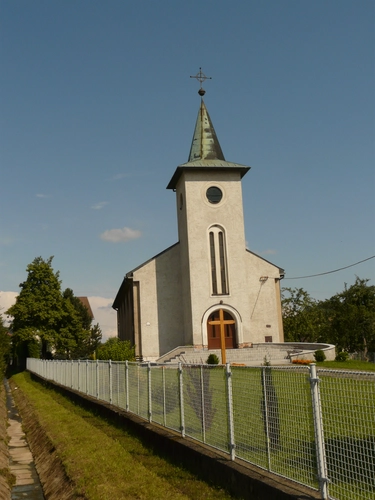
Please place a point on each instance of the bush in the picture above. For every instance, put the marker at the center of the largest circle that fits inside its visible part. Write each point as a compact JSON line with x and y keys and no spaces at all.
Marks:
{"x":319,"y":355}
{"x":212,"y":359}
{"x":342,"y":356}
{"x":116,"y":350}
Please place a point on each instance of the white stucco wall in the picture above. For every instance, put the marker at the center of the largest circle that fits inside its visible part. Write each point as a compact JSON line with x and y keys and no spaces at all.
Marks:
{"x":263,"y":316}
{"x":195,"y":217}
{"x":160,"y":304}
{"x":175,"y":287}
{"x":253,"y":303}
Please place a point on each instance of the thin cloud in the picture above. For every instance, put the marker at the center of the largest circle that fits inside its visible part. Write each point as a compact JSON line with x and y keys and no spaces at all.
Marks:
{"x":104,"y":315}
{"x":100,"y":205}
{"x":269,"y":252}
{"x":40,"y":195}
{"x":120,"y":235}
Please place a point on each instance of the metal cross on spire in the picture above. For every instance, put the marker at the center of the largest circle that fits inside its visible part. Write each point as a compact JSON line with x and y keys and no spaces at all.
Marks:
{"x":201,"y":77}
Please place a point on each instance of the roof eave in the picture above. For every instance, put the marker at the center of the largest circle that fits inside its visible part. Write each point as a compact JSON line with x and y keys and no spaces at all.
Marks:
{"x":206,"y":166}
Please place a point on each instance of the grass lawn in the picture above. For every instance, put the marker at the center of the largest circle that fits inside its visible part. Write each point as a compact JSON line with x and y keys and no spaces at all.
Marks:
{"x":104,"y":461}
{"x":289,"y":448}
{"x":286,"y":445}
{"x":348,"y":365}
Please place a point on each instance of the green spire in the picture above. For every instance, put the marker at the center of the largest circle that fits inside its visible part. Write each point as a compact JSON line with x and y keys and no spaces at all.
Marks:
{"x":205,"y":144}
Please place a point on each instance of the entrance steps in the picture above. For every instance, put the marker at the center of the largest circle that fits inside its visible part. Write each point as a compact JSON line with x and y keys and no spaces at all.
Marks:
{"x":257,"y":355}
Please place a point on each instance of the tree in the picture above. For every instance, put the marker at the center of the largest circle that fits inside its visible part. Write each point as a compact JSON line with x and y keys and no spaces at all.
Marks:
{"x":48,"y":322}
{"x":116,"y":350}
{"x":303,"y":318}
{"x":81,"y":309}
{"x":352,"y":317}
{"x":347,"y":319}
{"x":4,"y":346}
{"x":39,"y":306}
{"x":77,"y":338}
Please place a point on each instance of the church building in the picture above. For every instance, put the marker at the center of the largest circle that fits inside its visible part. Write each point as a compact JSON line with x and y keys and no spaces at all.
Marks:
{"x":208,"y":282}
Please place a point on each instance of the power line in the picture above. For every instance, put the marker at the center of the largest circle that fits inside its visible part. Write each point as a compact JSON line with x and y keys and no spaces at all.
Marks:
{"x":329,"y":272}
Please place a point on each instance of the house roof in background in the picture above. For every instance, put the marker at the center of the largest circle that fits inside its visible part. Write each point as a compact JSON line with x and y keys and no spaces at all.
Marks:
{"x":86,"y":303}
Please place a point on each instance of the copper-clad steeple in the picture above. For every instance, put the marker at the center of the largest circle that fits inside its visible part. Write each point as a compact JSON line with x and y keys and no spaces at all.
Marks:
{"x":205,"y":144}
{"x":205,"y":152}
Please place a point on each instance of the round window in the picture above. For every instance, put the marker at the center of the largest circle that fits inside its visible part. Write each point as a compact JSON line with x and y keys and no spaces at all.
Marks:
{"x":214,"y":194}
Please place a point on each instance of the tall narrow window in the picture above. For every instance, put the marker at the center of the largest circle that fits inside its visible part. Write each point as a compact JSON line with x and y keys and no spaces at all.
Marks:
{"x":223,"y":274}
{"x":218,"y":261}
{"x":213,"y":263}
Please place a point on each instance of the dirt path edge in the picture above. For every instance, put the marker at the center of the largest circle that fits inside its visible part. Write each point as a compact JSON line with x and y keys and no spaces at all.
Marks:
{"x":55,"y":482}
{"x":5,"y":475}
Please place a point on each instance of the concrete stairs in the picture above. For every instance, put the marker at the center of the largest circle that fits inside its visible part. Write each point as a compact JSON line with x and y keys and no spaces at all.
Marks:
{"x":253,"y":356}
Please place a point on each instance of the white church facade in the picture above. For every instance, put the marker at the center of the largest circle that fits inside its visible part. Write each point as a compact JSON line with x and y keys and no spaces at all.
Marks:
{"x":208,"y":285}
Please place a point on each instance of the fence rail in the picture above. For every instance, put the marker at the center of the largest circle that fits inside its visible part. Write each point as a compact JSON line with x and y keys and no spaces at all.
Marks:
{"x":313,"y":426}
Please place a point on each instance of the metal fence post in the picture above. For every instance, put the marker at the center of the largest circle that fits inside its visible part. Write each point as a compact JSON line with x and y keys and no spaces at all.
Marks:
{"x":79,"y":372}
{"x":149,"y":392}
{"x":318,"y":428}
{"x":97,"y":379}
{"x":110,"y":381}
{"x":127,"y":384}
{"x":265,"y":414}
{"x":232,"y":445}
{"x":87,"y":371}
{"x":203,"y":408}
{"x":164,"y":401}
{"x":182,"y":410}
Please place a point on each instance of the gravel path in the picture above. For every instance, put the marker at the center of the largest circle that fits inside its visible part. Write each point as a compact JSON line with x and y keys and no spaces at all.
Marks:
{"x":21,"y":462}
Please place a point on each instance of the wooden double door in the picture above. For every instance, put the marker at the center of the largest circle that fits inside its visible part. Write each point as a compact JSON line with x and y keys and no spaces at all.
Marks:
{"x":221,"y":320}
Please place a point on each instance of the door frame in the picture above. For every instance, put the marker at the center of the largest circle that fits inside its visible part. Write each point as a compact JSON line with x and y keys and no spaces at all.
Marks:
{"x":236,"y":316}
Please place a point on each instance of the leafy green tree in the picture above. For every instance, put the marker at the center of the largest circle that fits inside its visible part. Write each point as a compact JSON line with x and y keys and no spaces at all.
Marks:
{"x":5,"y":346}
{"x":81,"y":309}
{"x":39,"y":307}
{"x":116,"y":350}
{"x":48,"y":322}
{"x":303,"y":318}
{"x":347,"y":319}
{"x":351,"y":316}
{"x":78,"y":337}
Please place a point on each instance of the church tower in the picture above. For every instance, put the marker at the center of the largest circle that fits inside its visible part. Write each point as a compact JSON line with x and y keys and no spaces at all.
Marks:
{"x":212,"y":239}
{"x":207,"y":290}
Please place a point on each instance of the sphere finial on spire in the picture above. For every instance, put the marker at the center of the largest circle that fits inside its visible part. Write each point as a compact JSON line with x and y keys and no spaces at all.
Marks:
{"x":201,"y":77}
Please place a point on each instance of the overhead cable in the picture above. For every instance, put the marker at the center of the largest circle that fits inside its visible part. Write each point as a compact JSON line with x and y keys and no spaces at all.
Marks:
{"x":329,"y":272}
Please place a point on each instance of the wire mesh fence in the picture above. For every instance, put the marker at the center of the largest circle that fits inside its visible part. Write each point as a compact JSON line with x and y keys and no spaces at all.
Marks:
{"x":348,"y":414}
{"x":313,"y":426}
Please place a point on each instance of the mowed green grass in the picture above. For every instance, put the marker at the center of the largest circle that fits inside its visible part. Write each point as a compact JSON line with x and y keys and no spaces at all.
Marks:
{"x":103,"y":460}
{"x":347,"y":399}
{"x":351,"y":364}
{"x":348,"y":419}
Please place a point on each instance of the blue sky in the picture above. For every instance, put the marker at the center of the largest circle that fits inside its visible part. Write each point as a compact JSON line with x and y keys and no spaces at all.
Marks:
{"x":97,"y":110}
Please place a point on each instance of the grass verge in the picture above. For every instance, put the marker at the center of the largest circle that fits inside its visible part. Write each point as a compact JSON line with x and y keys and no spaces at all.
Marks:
{"x":351,"y":364}
{"x":104,"y":461}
